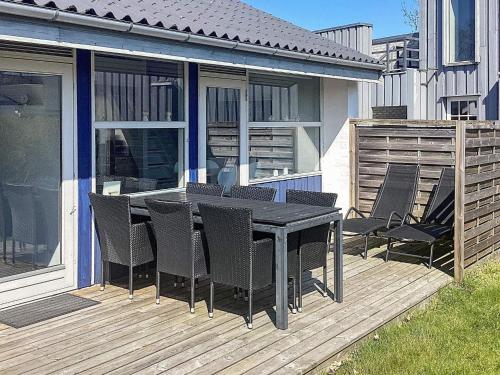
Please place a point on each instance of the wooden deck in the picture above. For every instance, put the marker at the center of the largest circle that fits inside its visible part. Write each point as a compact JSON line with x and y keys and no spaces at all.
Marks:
{"x":123,"y":337}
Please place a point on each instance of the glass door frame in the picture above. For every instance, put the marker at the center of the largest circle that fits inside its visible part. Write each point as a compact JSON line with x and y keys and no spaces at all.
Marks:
{"x":241,"y":84}
{"x":44,"y":282}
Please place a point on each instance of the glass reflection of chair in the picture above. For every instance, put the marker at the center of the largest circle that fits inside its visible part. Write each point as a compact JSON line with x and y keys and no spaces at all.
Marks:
{"x":25,"y":228}
{"x":228,"y":177}
{"x":5,"y":224}
{"x":136,"y":185}
{"x":48,"y":203}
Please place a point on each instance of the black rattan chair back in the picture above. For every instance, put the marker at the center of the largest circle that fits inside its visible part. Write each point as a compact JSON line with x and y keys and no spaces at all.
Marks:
{"x":398,"y":191}
{"x":113,"y":223}
{"x":442,"y":207}
{"x":311,"y":198}
{"x":204,"y":189}
{"x":21,"y":200}
{"x":230,"y":241}
{"x":173,"y":227}
{"x":253,"y":192}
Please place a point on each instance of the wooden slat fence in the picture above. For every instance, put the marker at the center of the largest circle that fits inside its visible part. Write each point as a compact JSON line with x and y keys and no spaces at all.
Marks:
{"x":473,"y":148}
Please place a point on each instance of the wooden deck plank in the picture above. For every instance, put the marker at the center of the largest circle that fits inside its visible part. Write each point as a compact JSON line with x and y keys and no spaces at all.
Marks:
{"x":122,"y":337}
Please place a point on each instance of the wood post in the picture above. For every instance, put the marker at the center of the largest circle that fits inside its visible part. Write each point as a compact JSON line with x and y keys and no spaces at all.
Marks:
{"x":459,"y":245}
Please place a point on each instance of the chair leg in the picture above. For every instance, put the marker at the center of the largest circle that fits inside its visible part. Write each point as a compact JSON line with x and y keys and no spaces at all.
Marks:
{"x":294,"y":300}
{"x":325,"y":281}
{"x":5,"y":249}
{"x":235,"y":293}
{"x":211,"y":301}
{"x":299,"y":281}
{"x":158,"y":287}
{"x":365,"y":256}
{"x":146,"y":270}
{"x":250,"y":312}
{"x":131,"y":282}
{"x":103,"y":280}
{"x":389,"y":244}
{"x":183,"y":280}
{"x":245,"y":295}
{"x":430,"y":258}
{"x":13,"y":251}
{"x":193,"y":285}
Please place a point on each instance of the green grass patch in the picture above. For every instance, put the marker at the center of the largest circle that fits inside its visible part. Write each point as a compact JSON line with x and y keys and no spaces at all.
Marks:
{"x":458,"y":333}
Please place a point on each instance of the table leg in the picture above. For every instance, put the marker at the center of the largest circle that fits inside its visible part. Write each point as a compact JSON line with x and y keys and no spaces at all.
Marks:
{"x":339,"y":262}
{"x":281,"y":279}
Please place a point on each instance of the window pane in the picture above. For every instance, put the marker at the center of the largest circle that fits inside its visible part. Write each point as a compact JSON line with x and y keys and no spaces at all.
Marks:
{"x":473,"y":107}
{"x":464,"y":108}
{"x":284,"y":98}
{"x":454,"y":108}
{"x":138,"y":90}
{"x":137,"y":160}
{"x":283,"y":151}
{"x":30,"y":171}
{"x":462,"y":30}
{"x":223,"y":135}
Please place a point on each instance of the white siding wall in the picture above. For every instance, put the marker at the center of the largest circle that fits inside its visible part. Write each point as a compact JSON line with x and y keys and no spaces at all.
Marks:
{"x":340,"y":103}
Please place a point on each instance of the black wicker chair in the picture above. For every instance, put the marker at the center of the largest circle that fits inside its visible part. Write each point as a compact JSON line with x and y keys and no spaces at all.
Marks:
{"x":24,"y":213}
{"x":235,"y":258}
{"x":5,"y":223}
{"x":121,"y":241}
{"x":436,"y":224}
{"x":181,"y":249}
{"x":253,"y":192}
{"x":312,"y":248}
{"x":395,"y":199}
{"x":204,"y":189}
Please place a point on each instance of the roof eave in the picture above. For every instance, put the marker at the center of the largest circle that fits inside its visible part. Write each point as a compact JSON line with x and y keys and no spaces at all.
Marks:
{"x":55,"y":15}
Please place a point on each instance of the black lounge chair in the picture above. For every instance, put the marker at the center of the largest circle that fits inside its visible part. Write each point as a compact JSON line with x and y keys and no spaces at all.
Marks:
{"x":312,"y":243}
{"x":435,"y":225}
{"x":204,"y":189}
{"x":121,"y":241}
{"x":235,"y":258}
{"x":395,"y":199}
{"x":253,"y":192}
{"x":181,"y":250}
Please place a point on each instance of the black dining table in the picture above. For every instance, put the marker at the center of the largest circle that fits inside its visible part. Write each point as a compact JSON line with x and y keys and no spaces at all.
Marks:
{"x":279,"y":219}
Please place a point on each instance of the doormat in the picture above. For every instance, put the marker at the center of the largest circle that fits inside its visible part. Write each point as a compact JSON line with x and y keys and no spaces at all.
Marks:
{"x":45,"y":309}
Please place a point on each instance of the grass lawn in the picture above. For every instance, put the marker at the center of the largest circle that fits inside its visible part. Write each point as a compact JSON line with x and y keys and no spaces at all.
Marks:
{"x":458,"y":333}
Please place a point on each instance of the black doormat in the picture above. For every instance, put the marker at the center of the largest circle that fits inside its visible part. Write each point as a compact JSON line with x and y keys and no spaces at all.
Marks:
{"x":45,"y":309}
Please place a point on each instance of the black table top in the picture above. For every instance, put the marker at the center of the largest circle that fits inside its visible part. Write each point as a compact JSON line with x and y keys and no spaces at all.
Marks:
{"x":272,"y":213}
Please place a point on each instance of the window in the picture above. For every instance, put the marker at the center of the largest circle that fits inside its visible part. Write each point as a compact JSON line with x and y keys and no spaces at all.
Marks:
{"x":140,"y":127}
{"x":277,"y":152}
{"x":284,"y":99}
{"x":139,"y":159}
{"x":138,"y":90}
{"x":460,"y":30}
{"x":284,"y":130}
{"x":463,"y":109}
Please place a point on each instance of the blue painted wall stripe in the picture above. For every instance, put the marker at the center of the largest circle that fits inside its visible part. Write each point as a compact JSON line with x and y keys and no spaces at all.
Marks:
{"x":84,"y":132}
{"x":310,"y":183}
{"x":193,"y":121}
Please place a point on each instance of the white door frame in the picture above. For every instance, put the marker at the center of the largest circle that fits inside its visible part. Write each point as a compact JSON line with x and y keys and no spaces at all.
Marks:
{"x":48,"y":281}
{"x":230,"y":83}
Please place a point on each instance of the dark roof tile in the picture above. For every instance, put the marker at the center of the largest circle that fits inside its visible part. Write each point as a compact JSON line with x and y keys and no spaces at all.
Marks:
{"x":224,"y":19}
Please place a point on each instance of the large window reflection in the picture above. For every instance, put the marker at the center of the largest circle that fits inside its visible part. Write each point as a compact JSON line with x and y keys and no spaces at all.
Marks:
{"x":30,"y":171}
{"x":462,"y":30}
{"x":138,"y":160}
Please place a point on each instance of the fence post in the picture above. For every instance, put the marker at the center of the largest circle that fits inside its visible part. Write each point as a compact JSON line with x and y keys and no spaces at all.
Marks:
{"x":459,"y":246}
{"x":353,"y":165}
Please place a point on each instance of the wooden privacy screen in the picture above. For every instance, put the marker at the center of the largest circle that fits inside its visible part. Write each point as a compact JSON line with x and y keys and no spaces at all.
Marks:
{"x":472,"y":147}
{"x":481,"y":193}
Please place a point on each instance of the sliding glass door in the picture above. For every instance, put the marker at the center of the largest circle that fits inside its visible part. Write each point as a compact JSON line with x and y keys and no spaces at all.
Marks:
{"x":36,"y":179}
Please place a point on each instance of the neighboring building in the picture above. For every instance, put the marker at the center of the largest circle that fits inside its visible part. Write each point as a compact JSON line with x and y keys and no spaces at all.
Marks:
{"x":450,"y":72}
{"x":146,"y":95}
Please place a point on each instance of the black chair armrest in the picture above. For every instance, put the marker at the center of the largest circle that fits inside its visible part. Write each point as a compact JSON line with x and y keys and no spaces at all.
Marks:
{"x":391,"y":216}
{"x":356,"y":211}
{"x":408,"y":217}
